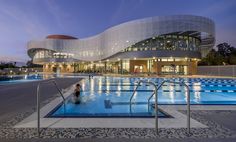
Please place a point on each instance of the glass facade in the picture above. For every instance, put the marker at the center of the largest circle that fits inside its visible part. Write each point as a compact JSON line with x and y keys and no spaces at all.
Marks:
{"x":174,"y":69}
{"x":167,"y":42}
{"x":41,"y":54}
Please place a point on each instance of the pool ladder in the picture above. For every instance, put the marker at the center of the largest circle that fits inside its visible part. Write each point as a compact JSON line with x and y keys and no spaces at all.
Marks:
{"x":155,"y":92}
{"x":38,"y":100}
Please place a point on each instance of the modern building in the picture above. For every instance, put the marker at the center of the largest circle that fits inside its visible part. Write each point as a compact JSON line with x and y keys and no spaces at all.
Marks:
{"x":162,"y":45}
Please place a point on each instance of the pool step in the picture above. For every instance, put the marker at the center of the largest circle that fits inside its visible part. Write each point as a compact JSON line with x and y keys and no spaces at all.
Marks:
{"x":127,"y":103}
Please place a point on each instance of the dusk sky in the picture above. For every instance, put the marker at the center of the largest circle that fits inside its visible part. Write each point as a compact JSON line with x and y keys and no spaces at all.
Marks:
{"x":24,"y":20}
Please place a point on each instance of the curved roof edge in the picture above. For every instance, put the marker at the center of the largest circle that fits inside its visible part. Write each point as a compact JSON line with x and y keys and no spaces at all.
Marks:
{"x":60,"y":37}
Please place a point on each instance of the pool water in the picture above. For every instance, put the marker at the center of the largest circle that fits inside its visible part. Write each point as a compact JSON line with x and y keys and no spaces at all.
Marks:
{"x":109,"y":96}
{"x":4,"y":80}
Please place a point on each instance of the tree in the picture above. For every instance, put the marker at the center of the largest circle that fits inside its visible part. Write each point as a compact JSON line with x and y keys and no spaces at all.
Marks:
{"x":225,"y":49}
{"x":7,"y":65}
{"x":213,"y":58}
{"x":232,"y":57}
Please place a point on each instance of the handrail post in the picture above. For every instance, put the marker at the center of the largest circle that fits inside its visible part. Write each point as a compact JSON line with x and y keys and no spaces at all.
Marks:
{"x":188,"y":107}
{"x":156,"y":101}
{"x":188,"y":99}
{"x":156,"y":107}
{"x":38,"y":110}
{"x":38,"y":102}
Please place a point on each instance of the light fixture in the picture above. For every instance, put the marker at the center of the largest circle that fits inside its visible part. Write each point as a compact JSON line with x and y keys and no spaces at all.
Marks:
{"x":118,"y":59}
{"x":134,"y":58}
{"x":127,"y":41}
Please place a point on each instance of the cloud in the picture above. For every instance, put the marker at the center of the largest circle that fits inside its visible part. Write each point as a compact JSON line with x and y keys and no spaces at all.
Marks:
{"x":19,"y":24}
{"x":25,"y":19}
{"x":123,"y":6}
{"x":220,"y":6}
{"x":57,"y":13}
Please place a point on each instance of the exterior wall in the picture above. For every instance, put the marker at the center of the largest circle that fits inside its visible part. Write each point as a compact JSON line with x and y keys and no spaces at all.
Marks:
{"x":59,"y":52}
{"x":120,"y":37}
{"x":154,"y":68}
{"x":193,"y":68}
{"x":228,"y":70}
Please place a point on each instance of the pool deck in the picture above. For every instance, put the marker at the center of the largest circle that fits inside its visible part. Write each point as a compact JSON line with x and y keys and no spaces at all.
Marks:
{"x":178,"y":120}
{"x":209,"y":122}
{"x":14,"y":96}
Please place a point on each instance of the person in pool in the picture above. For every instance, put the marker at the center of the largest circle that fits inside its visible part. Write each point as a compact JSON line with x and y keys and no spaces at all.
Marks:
{"x":76,"y":96}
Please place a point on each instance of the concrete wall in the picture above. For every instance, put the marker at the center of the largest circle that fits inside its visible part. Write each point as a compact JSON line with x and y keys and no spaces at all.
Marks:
{"x":229,"y":70}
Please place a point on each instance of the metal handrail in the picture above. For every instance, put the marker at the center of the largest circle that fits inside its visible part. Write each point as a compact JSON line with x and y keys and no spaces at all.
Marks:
{"x":188,"y":98}
{"x":149,"y":101}
{"x":133,"y":94}
{"x":156,"y":100}
{"x":38,"y":100}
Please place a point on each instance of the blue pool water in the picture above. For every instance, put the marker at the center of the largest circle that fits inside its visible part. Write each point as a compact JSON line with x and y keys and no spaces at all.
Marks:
{"x":4,"y":80}
{"x":109,"y":96}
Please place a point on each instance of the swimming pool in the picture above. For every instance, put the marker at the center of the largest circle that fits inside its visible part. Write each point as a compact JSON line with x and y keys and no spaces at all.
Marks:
{"x":4,"y":80}
{"x":109,"y":96}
